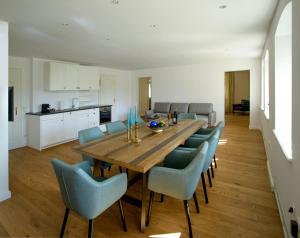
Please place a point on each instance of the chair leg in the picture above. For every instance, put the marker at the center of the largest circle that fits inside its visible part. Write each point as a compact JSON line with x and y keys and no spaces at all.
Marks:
{"x":209,"y":178}
{"x":212,"y":170}
{"x":162,"y":198}
{"x":122,"y":215}
{"x":204,"y":187}
{"x":120,"y":168}
{"x":215,"y":161}
{"x":90,"y":232}
{"x":196,"y":202}
{"x":102,"y":172}
{"x":149,"y":208}
{"x":64,"y":223}
{"x":187,"y":213}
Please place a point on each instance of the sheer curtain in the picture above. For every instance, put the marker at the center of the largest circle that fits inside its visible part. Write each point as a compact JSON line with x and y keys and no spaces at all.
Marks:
{"x":229,"y":91}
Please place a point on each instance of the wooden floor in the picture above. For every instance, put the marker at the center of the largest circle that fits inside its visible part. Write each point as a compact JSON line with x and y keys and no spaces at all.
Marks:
{"x":241,"y":202}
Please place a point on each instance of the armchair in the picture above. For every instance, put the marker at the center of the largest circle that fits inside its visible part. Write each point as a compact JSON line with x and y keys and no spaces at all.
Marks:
{"x":195,"y":142}
{"x":179,"y":182}
{"x":88,"y":135}
{"x":116,"y":126}
{"x":86,"y":195}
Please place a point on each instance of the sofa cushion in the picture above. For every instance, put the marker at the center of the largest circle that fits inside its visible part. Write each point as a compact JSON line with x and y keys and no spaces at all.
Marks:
{"x":201,"y":108}
{"x":162,"y":107}
{"x":179,"y":107}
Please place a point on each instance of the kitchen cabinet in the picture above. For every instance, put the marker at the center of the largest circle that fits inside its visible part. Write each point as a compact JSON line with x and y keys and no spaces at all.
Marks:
{"x":49,"y":130}
{"x":52,"y":127}
{"x":70,"y":125}
{"x":67,"y":77}
{"x":88,"y":78}
{"x":82,"y":120}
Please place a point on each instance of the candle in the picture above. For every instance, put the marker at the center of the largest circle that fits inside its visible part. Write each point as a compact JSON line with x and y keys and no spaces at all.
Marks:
{"x":130,"y":117}
{"x":128,"y":120}
{"x":136,"y":115}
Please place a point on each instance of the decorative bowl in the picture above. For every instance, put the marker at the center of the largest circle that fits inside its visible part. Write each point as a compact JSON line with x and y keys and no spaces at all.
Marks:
{"x":157,"y":127}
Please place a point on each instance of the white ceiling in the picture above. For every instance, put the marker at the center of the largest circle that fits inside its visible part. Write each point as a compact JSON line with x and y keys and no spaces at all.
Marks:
{"x":122,"y":36}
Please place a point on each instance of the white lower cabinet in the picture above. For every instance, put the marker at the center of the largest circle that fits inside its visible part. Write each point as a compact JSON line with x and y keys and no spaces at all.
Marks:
{"x":49,"y":130}
{"x":70,"y":125}
{"x":52,"y":130}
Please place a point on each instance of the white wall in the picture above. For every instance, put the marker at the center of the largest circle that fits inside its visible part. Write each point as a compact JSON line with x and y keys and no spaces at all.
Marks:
{"x":284,"y":174}
{"x":4,"y":190}
{"x":201,"y":83}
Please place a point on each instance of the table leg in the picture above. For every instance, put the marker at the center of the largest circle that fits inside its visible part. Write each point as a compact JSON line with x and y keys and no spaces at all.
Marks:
{"x":144,"y":200}
{"x":96,"y":170}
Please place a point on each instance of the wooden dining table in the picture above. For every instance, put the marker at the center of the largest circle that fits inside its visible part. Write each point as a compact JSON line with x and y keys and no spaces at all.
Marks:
{"x":139,"y":157}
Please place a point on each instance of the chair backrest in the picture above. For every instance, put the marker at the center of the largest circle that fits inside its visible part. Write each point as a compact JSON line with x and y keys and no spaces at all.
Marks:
{"x":220,"y":126}
{"x":212,"y":147}
{"x":188,"y":115}
{"x":194,"y":169}
{"x":116,"y":126}
{"x":72,"y":184}
{"x":88,"y":135}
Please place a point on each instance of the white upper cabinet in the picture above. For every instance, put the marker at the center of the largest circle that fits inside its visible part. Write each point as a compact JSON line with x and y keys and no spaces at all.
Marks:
{"x":71,"y":77}
{"x":88,"y":78}
{"x":56,"y":76}
{"x":64,"y":76}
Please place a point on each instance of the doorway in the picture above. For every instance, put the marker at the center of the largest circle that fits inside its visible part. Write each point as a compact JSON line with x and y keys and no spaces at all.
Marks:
{"x":14,"y":109}
{"x":237,"y":93}
{"x":145,"y":91}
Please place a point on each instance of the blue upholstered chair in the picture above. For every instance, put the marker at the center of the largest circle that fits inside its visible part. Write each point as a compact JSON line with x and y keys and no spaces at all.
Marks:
{"x":88,"y":135}
{"x":206,"y":133}
{"x":178,"y":178}
{"x":187,"y":115}
{"x":86,"y":195}
{"x":193,"y":143}
{"x":116,"y":126}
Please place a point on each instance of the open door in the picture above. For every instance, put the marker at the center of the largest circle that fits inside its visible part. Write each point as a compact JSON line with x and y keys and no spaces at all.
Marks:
{"x":144,"y":95}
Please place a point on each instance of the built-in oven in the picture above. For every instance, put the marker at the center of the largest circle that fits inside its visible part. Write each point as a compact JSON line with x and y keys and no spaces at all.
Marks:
{"x":105,"y":114}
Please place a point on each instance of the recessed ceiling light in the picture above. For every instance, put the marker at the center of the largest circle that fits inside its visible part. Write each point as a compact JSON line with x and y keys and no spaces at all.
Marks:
{"x":152,"y":26}
{"x":115,"y":1}
{"x":222,"y":6}
{"x":65,"y":24}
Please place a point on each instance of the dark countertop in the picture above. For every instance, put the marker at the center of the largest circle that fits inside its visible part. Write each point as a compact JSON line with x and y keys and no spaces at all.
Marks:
{"x":67,"y":110}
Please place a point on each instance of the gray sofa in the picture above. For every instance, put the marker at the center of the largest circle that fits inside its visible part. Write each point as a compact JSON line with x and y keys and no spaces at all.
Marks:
{"x":203,"y":111}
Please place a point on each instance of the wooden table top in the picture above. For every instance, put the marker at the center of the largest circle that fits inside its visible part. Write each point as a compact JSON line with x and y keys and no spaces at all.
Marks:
{"x":140,"y":157}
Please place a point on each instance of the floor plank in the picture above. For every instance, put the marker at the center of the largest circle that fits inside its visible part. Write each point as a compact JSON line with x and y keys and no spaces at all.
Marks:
{"x":241,"y":201}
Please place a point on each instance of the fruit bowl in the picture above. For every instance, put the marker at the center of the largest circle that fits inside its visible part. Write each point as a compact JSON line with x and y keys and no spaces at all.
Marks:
{"x":157,"y":127}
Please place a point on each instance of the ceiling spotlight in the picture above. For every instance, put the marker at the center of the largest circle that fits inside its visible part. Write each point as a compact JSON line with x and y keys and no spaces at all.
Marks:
{"x":65,"y":24}
{"x":115,"y":1}
{"x":152,"y":25}
{"x":222,"y":6}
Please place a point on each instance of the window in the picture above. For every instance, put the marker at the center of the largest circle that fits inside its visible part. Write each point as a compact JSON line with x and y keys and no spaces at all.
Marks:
{"x":283,"y":81}
{"x":266,"y":85}
{"x":262,"y":103}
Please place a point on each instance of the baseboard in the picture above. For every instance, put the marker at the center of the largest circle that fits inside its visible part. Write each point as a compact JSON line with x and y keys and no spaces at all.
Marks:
{"x":281,"y":214}
{"x":277,"y":197}
{"x":5,"y":195}
{"x":254,"y":127}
